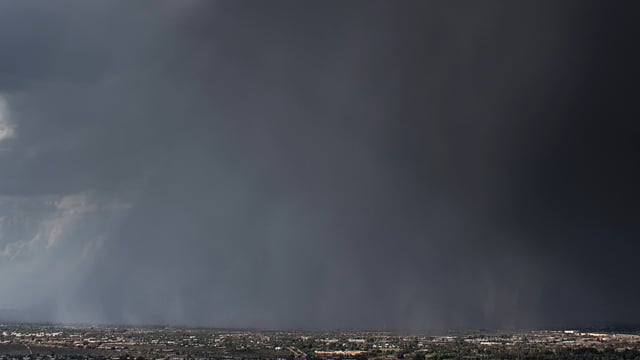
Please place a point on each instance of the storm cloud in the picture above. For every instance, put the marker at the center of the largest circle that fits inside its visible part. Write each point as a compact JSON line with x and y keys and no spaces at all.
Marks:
{"x":393,"y":165}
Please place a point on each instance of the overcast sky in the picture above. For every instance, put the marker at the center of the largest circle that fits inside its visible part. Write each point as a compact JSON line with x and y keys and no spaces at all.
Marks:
{"x":322,"y":164}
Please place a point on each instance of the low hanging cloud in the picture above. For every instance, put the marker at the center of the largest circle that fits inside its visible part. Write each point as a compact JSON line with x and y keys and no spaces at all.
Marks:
{"x":47,"y":242}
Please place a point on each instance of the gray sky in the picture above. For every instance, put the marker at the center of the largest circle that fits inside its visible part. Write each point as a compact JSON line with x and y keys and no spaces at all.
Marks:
{"x":396,"y":165}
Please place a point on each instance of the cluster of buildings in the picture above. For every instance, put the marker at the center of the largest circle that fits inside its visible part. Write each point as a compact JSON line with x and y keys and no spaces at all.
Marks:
{"x":52,"y":342}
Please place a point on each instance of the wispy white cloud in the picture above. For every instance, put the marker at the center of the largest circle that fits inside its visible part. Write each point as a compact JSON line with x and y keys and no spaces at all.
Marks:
{"x":50,"y":241}
{"x":7,"y":128}
{"x":34,"y":224}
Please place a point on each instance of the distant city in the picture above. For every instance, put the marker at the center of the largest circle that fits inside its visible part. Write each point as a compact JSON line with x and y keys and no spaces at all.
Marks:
{"x":58,"y":342}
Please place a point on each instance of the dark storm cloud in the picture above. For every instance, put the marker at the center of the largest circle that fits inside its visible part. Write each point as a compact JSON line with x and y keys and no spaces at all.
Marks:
{"x":363,"y":164}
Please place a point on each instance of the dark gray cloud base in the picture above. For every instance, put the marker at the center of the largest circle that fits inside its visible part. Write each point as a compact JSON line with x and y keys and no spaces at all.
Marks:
{"x":322,"y":165}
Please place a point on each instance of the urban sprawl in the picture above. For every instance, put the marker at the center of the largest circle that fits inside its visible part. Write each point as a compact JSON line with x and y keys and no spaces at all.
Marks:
{"x":57,"y":342}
